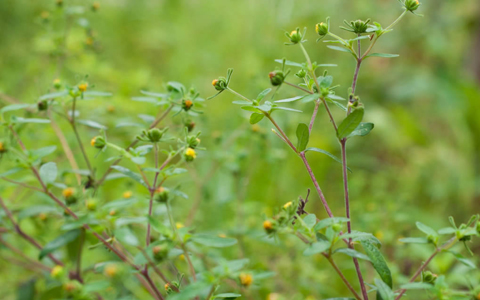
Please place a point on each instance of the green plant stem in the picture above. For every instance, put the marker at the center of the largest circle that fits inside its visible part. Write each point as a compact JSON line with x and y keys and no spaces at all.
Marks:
{"x":182,"y":244}
{"x":298,"y":87}
{"x":78,"y":273}
{"x":22,"y":184}
{"x":312,"y":71}
{"x":79,"y":140}
{"x":152,"y":194}
{"x":238,"y":94}
{"x":154,"y":124}
{"x":287,"y":140}
{"x":445,"y":246}
{"x":397,"y":20}
{"x":157,"y":270}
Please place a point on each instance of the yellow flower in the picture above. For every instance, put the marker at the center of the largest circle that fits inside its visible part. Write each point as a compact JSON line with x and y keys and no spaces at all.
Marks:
{"x":83,"y":87}
{"x":214,"y":82}
{"x":56,"y":81}
{"x":127,"y":194}
{"x":267,"y":225}
{"x":293,"y":32}
{"x":92,"y":141}
{"x":110,"y":270}
{"x":188,"y":103}
{"x":179,"y":225}
{"x":68,"y":192}
{"x":190,"y":154}
{"x":112,"y":212}
{"x":2,"y":147}
{"x":182,"y":257}
{"x":246,"y":279}
{"x":160,"y":190}
{"x":167,"y":286}
{"x":57,"y":271}
{"x":287,"y":205}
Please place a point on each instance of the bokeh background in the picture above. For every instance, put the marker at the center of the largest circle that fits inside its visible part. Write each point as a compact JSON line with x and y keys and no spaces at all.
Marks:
{"x":421,"y":162}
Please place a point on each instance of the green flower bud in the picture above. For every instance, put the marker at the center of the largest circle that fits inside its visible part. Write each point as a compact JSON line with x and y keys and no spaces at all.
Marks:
{"x":57,"y":272}
{"x":74,"y":92}
{"x":193,"y":141}
{"x":322,"y":29}
{"x":357,"y":27}
{"x":337,"y":227}
{"x":429,"y":277}
{"x":301,"y":74}
{"x":160,"y":252}
{"x":162,"y":194}
{"x":72,"y":288}
{"x":91,"y":204}
{"x":411,"y":5}
{"x":276,"y":78}
{"x":190,"y":125}
{"x":220,"y":84}
{"x":57,"y":84}
{"x":154,"y":135}
{"x":42,"y":105}
{"x":98,"y":142}
{"x":295,"y":36}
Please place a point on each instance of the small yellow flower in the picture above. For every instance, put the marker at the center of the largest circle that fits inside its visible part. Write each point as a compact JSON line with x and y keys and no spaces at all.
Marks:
{"x":287,"y":205}
{"x":246,"y":279}
{"x":57,"y":271}
{"x":214,"y":82}
{"x":293,"y":32}
{"x":160,"y":190}
{"x":179,"y":225}
{"x":379,"y":234}
{"x":127,"y":194}
{"x":478,"y":296}
{"x":92,"y":141}
{"x":188,"y":103}
{"x":190,"y":154}
{"x":2,"y":147}
{"x":182,"y":257}
{"x":110,"y":270}
{"x":68,"y":192}
{"x":112,"y":212}
{"x":418,"y":2}
{"x":255,"y":128}
{"x":267,"y":225}
{"x":167,"y":286}
{"x":83,"y":87}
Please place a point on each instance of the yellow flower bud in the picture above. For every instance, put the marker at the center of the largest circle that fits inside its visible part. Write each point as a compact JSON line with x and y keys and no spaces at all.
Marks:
{"x":110,"y":270}
{"x":179,"y":225}
{"x":127,"y":194}
{"x":83,"y":87}
{"x":57,"y":272}
{"x":68,"y":192}
{"x":246,"y":279}
{"x":190,"y":154}
{"x":287,"y":205}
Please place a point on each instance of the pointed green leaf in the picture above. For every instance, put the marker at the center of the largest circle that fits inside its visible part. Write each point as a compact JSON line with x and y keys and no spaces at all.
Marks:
{"x":337,"y":48}
{"x":378,"y":262}
{"x":383,"y":55}
{"x":59,"y":242}
{"x":362,"y":129}
{"x":213,"y":241}
{"x":317,"y":247}
{"x":256,"y":117}
{"x":350,"y":123}
{"x":352,"y":253}
{"x":48,"y":172}
{"x":425,"y":229}
{"x":129,"y":173}
{"x":263,"y":94}
{"x":413,"y":240}
{"x":303,"y":136}
{"x":326,"y":153}
{"x":92,"y":124}
{"x":384,"y":290}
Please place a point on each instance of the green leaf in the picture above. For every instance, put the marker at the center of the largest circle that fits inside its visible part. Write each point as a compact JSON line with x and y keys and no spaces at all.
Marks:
{"x":350,"y":123}
{"x":97,"y":94}
{"x":425,"y":229}
{"x":249,"y":108}
{"x":92,"y":124}
{"x":146,"y":99}
{"x":242,"y":102}
{"x":135,"y":176}
{"x":53,"y":95}
{"x":286,"y":108}
{"x":448,"y":230}
{"x":303,"y":135}
{"x":256,"y":117}
{"x":26,"y":290}
{"x":383,"y":55}
{"x":417,"y":286}
{"x":289,"y":99}
{"x":463,"y":260}
{"x":126,"y":235}
{"x":42,"y":152}
{"x":227,"y":295}
{"x":358,"y":236}
{"x":378,"y":262}
{"x":289,"y":63}
{"x":11,"y":171}
{"x":362,"y":129}
{"x":158,"y":95}
{"x":337,"y":48}
{"x":413,"y":240}
{"x":59,"y":242}
{"x":310,"y":98}
{"x":266,"y":107}
{"x":310,"y":220}
{"x":384,"y":290}
{"x":317,"y":247}
{"x":326,"y":153}
{"x":335,"y":97}
{"x":48,"y":172}
{"x":263,"y":94}
{"x":330,"y":221}
{"x":325,"y":82}
{"x":158,"y":226}
{"x":13,"y":107}
{"x":29,"y":120}
{"x":213,"y":241}
{"x":352,"y":253}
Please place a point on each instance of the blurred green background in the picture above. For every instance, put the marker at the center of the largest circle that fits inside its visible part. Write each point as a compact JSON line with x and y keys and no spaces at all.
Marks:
{"x":421,"y":162}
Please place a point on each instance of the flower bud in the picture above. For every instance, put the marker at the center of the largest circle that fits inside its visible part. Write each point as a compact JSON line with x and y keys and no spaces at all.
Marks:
{"x":276,"y":78}
{"x":82,"y":87}
{"x":69,"y":195}
{"x":57,"y":83}
{"x":2,"y":148}
{"x":190,"y":125}
{"x":154,"y":135}
{"x":160,"y":252}
{"x":429,"y":277}
{"x":268,"y":226}
{"x":187,"y":104}
{"x":98,"y":142}
{"x":127,"y":194}
{"x":357,"y":27}
{"x":411,"y":5}
{"x":57,"y":272}
{"x":42,"y":105}
{"x":190,"y":154}
{"x":337,"y":227}
{"x":193,"y":141}
{"x":322,"y":29}
{"x":111,"y":270}
{"x":220,"y":84}
{"x":295,"y":36}
{"x":72,"y":287}
{"x":162,"y":194}
{"x":301,"y":73}
{"x":91,"y":204}
{"x":246,"y":279}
